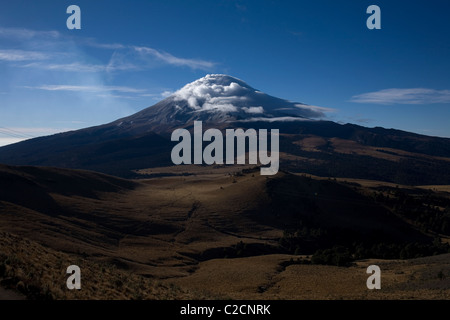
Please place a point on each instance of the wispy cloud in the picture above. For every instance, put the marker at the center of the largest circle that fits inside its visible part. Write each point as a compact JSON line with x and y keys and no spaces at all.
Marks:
{"x":26,"y":34}
{"x":315,"y":108}
{"x":82,"y":67}
{"x":123,"y":57}
{"x":70,"y":67}
{"x":23,"y":55}
{"x":17,"y":134}
{"x":117,"y":92}
{"x":71,"y":121}
{"x":404,"y":96}
{"x":158,"y":96}
{"x":38,"y":131}
{"x":95,"y":89}
{"x":172,"y":60}
{"x":4,"y":141}
{"x":117,"y":96}
{"x":91,"y":42}
{"x":166,"y":93}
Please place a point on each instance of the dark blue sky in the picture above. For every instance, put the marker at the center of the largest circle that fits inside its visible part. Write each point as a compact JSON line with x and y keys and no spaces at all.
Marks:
{"x":130,"y":54}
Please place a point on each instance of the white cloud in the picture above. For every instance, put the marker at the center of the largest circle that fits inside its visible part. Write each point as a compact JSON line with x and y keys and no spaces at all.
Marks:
{"x":82,"y":67}
{"x":86,"y":88}
{"x":216,"y":92}
{"x":229,"y":94}
{"x":26,"y":34}
{"x":205,"y":94}
{"x":116,"y":96}
{"x":71,"y":67}
{"x":314,"y":108}
{"x":71,"y":121}
{"x":158,"y":96}
{"x":166,"y":93}
{"x":39,"y":131}
{"x":4,"y":141}
{"x":117,"y":92}
{"x":404,"y":96}
{"x":224,"y":107}
{"x":91,"y":42}
{"x":152,"y":95}
{"x":17,"y":134}
{"x":123,"y":58}
{"x":23,"y":55}
{"x":282,"y":119}
{"x":253,"y":109}
{"x":172,"y":60}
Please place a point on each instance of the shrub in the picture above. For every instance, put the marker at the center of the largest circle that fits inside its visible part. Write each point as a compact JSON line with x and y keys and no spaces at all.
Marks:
{"x":337,"y":256}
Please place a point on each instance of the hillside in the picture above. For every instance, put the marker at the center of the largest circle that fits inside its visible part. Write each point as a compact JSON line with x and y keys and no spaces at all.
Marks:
{"x":168,"y":227}
{"x":38,"y":273}
{"x":103,"y":213}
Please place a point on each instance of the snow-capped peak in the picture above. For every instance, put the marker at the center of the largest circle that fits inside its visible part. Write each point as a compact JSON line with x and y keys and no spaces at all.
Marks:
{"x":215,"y":92}
{"x":232,"y":96}
{"x":218,"y":98}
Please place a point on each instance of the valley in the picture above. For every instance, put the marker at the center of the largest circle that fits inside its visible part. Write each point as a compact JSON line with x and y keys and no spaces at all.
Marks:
{"x":223,"y":232}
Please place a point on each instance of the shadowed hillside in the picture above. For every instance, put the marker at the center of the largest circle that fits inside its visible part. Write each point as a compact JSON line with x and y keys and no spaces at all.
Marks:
{"x":168,"y":227}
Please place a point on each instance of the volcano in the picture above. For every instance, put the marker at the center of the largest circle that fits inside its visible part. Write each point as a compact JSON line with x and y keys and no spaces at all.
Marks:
{"x":308,"y":142}
{"x":218,"y":99}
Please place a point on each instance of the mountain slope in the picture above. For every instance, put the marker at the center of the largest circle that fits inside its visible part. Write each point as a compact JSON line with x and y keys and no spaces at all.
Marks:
{"x":238,"y":233}
{"x":326,"y":148}
{"x":171,"y":221}
{"x":218,"y":99}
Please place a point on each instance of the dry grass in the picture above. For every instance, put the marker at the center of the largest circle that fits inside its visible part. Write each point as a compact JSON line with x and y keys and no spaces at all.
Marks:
{"x":437,"y":188}
{"x":40,"y":273}
{"x":314,"y":143}
{"x":311,"y":143}
{"x":148,"y":242}
{"x":264,"y":277}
